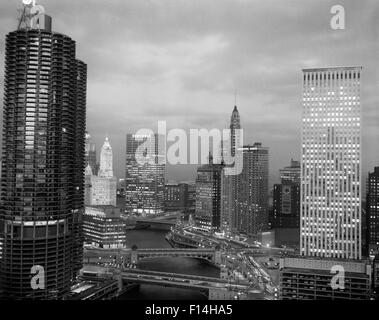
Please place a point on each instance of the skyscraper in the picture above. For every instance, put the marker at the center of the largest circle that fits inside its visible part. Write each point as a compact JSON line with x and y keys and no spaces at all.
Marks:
{"x":252,"y":191}
{"x":285,"y":219}
{"x":331,"y":163}
{"x":43,"y":161}
{"x":101,"y":189}
{"x":286,"y":198}
{"x":372,"y":211}
{"x":90,"y":154}
{"x":106,"y":160}
{"x":235,"y":125}
{"x":229,"y":223}
{"x":291,"y":173}
{"x":208,"y":196}
{"x":144,"y":183}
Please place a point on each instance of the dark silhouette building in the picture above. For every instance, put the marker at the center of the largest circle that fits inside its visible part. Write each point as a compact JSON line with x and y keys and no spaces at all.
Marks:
{"x":208,"y":196}
{"x":42,"y":180}
{"x":176,"y":196}
{"x":285,"y":217}
{"x":372,"y":211}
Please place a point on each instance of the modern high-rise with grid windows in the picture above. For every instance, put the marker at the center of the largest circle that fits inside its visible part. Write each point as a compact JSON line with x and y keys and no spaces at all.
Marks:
{"x":144,"y":183}
{"x":331,"y":163}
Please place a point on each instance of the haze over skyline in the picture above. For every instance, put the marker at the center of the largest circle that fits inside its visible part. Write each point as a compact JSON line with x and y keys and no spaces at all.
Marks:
{"x":182,"y":61}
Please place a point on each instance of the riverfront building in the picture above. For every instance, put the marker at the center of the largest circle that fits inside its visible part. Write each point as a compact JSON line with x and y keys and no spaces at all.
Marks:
{"x":103,"y":227}
{"x":144,"y":182}
{"x":331,"y":163}
{"x":42,"y":178}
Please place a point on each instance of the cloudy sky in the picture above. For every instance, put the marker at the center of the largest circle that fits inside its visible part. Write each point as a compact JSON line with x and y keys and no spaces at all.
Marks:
{"x":182,"y":60}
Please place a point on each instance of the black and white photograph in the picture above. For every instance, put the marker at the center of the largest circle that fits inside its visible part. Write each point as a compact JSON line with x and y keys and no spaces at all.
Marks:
{"x":189,"y":157}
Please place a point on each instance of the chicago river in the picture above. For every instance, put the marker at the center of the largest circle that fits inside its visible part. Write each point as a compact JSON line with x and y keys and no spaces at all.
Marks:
{"x":155,"y":238}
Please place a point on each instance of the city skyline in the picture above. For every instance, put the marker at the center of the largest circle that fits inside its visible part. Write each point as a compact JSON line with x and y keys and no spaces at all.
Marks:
{"x":275,"y":209}
{"x":188,"y":73}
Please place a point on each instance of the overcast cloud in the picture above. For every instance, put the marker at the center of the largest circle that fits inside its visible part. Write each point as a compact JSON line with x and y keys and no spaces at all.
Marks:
{"x":182,"y":60}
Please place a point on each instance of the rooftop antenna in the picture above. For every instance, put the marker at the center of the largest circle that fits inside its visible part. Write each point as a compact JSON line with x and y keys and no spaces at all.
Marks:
{"x":29,"y":11}
{"x":235,"y":97}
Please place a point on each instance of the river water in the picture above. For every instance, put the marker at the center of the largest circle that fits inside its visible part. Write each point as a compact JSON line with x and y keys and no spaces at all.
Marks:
{"x":152,"y":238}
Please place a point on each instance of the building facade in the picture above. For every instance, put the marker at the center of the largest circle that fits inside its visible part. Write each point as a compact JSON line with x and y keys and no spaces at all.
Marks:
{"x":291,"y":173}
{"x":176,"y":196}
{"x":90,"y":154}
{"x":42,"y":194}
{"x":103,"y":227}
{"x":144,"y":183}
{"x":372,"y":211}
{"x":229,"y":183}
{"x":101,"y":189}
{"x":304,"y":278}
{"x":252,"y":191}
{"x":208,"y":196}
{"x":285,"y":217}
{"x":331,"y":163}
{"x":106,"y":160}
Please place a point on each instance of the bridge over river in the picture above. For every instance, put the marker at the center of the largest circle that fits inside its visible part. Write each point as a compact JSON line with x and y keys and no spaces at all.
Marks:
{"x":133,"y":256}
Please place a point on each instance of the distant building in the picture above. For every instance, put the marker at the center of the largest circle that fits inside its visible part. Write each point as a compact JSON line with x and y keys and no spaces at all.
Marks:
{"x":291,"y":173}
{"x":106,"y":160}
{"x":176,"y":196}
{"x":285,"y":220}
{"x":303,"y":278}
{"x":144,"y":183}
{"x":252,"y":191}
{"x":101,"y":189}
{"x":286,"y":202}
{"x":229,"y":183}
{"x":372,"y":211}
{"x":208,"y":196}
{"x":103,"y":227}
{"x":90,"y":154}
{"x":376,"y":277}
{"x":191,"y":199}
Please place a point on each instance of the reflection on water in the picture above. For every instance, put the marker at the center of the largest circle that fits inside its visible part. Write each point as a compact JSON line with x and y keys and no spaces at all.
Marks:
{"x":150,"y":238}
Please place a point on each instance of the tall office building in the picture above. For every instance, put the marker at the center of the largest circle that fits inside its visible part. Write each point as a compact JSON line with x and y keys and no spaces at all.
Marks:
{"x":331,"y":163}
{"x":208,"y":196}
{"x":372,"y":211}
{"x":106,"y":160}
{"x":229,"y":223}
{"x":286,"y":198}
{"x":144,"y":183}
{"x":291,"y":173}
{"x":101,"y":189}
{"x":90,"y":154}
{"x":285,"y":219}
{"x":43,"y":161}
{"x":252,"y":191}
{"x":235,"y":125}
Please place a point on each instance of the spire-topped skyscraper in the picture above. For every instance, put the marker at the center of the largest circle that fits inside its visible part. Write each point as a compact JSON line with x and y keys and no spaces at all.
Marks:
{"x":106,"y":160}
{"x":235,"y":124}
{"x":42,"y":179}
{"x":229,"y":183}
{"x":101,"y":189}
{"x":90,"y":154}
